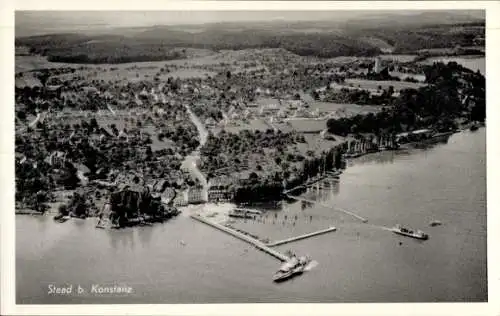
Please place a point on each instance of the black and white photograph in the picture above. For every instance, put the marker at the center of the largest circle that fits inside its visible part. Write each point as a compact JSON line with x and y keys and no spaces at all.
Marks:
{"x":249,"y":156}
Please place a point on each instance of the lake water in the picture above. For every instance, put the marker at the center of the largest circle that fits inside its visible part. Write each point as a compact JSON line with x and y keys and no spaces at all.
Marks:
{"x":357,"y":263}
{"x":472,"y":62}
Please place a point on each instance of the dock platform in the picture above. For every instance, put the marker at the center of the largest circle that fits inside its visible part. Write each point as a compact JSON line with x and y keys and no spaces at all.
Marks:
{"x":285,"y":241}
{"x":258,"y":244}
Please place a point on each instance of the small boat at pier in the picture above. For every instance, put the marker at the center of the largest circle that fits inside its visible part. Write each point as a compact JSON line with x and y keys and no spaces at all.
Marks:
{"x":244,"y":213}
{"x":418,"y":234}
{"x":240,"y":215}
{"x":352,"y":155}
{"x":247,"y":210}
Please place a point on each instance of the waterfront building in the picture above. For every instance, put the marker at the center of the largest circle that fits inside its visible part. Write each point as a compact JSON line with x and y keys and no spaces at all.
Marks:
{"x":219,"y":189}
{"x":195,"y":195}
{"x":180,"y":200}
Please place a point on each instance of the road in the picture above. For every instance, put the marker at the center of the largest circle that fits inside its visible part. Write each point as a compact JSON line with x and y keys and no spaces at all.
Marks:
{"x":191,"y":161}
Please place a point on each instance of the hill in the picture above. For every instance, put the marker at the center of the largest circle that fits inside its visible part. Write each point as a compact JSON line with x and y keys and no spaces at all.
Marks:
{"x":362,"y":37}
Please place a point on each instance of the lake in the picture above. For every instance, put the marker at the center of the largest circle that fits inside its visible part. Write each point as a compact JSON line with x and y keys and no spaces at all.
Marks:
{"x":184,"y":261}
{"x":472,"y":62}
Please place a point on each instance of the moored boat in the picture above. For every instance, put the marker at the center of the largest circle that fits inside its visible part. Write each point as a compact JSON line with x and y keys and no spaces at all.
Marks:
{"x":247,"y":210}
{"x":240,"y":214}
{"x":61,"y":218}
{"x":418,"y":234}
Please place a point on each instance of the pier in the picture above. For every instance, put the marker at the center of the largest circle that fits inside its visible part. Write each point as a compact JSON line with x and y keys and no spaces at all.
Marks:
{"x":328,"y":174}
{"x":364,"y":220}
{"x":250,"y":240}
{"x":285,"y":241}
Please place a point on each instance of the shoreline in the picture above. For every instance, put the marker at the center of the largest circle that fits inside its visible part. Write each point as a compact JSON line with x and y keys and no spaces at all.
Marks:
{"x":218,"y":211}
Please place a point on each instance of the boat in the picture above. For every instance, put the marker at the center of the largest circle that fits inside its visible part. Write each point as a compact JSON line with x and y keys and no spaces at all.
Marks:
{"x":352,"y":155}
{"x":398,"y":229}
{"x":61,"y":218}
{"x":435,"y":223}
{"x":240,"y":214}
{"x":291,"y":268}
{"x":286,"y":270}
{"x":247,"y":210}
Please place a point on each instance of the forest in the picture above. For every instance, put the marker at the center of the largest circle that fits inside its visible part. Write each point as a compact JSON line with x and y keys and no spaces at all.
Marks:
{"x":453,"y":92}
{"x":160,"y":42}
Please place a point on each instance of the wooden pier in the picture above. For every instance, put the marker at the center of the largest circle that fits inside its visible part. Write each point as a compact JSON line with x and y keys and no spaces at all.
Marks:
{"x":329,"y":174}
{"x":285,"y":241}
{"x":364,"y":220}
{"x":258,"y":244}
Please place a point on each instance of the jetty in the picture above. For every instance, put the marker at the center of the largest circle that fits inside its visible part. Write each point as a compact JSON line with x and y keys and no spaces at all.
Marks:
{"x":364,"y":220}
{"x":334,"y":175}
{"x":258,"y":244}
{"x":288,"y":240}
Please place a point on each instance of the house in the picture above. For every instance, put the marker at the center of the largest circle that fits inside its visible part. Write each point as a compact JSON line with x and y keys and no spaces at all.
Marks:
{"x":210,"y":122}
{"x":219,"y":189}
{"x":57,"y":159}
{"x":294,"y":104}
{"x":168,"y":195}
{"x":195,"y":195}
{"x":180,"y":200}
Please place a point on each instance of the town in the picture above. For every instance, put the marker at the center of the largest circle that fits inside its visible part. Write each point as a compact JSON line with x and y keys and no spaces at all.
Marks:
{"x":250,"y":156}
{"x":219,"y":126}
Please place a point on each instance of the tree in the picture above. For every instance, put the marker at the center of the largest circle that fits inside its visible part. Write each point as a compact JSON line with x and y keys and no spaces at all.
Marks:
{"x":93,"y":124}
{"x":21,"y":115}
{"x":315,"y":95}
{"x":43,"y":76}
{"x":63,"y":209}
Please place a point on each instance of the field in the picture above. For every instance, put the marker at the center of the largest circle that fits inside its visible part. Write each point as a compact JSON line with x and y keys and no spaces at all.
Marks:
{"x":402,"y":76}
{"x":131,"y":72}
{"x":344,"y":109}
{"x":318,"y":144}
{"x":307,"y":125}
{"x":27,"y":80}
